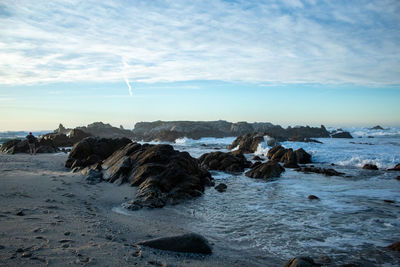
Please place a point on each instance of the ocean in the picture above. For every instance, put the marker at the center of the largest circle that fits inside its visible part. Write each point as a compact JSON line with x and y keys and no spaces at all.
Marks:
{"x":263,"y":219}
{"x":357,"y":214}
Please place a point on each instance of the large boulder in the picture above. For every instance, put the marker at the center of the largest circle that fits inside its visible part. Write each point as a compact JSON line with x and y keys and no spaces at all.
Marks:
{"x":247,"y":143}
{"x":289,"y":157}
{"x":189,"y":243}
{"x":266,"y":170}
{"x":163,"y":175}
{"x":370,"y":167}
{"x":224,"y":161}
{"x":15,"y":146}
{"x":55,"y":140}
{"x":342,"y":135}
{"x":92,"y":150}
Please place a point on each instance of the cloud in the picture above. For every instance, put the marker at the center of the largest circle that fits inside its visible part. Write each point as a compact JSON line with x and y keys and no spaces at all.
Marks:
{"x":167,"y":41}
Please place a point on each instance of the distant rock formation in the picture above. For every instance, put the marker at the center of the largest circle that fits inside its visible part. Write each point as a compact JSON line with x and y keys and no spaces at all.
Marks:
{"x":327,"y":172}
{"x":99,"y":129}
{"x":377,"y":127}
{"x":171,"y":130}
{"x":341,"y":135}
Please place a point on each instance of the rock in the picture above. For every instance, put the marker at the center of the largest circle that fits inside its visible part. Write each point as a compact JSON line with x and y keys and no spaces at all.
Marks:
{"x":398,"y":178}
{"x":230,"y":162}
{"x":257,"y":158}
{"x":289,"y":157}
{"x":76,"y":135}
{"x":188,"y":243}
{"x":377,"y":127}
{"x":55,"y":140}
{"x":221,"y":187}
{"x":92,"y":150}
{"x":396,"y":168}
{"x":327,"y":172}
{"x":15,"y":146}
{"x":342,"y":135}
{"x":255,"y":164}
{"x":388,"y":201}
{"x":163,"y":175}
{"x":370,"y":167}
{"x":20,"y":213}
{"x":301,"y":262}
{"x":247,"y":143}
{"x":105,"y":130}
{"x":395,"y":246}
{"x":26,"y":254}
{"x":46,"y":149}
{"x":266,"y":170}
{"x":311,"y":197}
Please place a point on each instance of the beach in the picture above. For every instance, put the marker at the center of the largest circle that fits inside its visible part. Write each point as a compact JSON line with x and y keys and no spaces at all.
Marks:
{"x":50,"y":216}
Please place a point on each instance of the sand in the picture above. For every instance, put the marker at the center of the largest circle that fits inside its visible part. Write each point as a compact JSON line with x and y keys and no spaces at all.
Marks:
{"x":50,"y":216}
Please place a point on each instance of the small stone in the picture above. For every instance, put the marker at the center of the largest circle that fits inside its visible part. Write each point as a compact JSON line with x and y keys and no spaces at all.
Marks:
{"x":20,"y":213}
{"x":19,"y":250}
{"x":65,"y":245}
{"x":221,"y":187}
{"x":137,"y":254}
{"x":26,"y":254}
{"x":67,"y":233}
{"x":64,"y":240}
{"x":311,"y":197}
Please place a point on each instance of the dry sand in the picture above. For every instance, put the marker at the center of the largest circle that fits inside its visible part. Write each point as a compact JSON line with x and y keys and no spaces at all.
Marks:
{"x":50,"y":216}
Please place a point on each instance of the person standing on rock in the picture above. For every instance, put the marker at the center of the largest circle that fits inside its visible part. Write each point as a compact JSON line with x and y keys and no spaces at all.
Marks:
{"x":31,"y":142}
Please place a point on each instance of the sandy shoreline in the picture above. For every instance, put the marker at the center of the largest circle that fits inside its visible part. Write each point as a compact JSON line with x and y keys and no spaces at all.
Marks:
{"x":50,"y":216}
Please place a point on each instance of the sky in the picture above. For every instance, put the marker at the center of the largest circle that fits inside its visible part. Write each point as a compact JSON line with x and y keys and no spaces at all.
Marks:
{"x":289,"y":62}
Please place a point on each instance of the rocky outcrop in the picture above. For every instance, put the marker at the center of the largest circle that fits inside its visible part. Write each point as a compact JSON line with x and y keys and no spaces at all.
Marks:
{"x":188,"y":243}
{"x":396,"y":168}
{"x":327,"y":172}
{"x":289,"y":157}
{"x":248,"y":143}
{"x":377,"y":127}
{"x":370,"y":167}
{"x":167,"y":130}
{"x":266,"y":170}
{"x":224,"y":161}
{"x":92,"y":150}
{"x":105,"y":130}
{"x":15,"y":146}
{"x":341,"y":135}
{"x":21,"y":146}
{"x":163,"y":175}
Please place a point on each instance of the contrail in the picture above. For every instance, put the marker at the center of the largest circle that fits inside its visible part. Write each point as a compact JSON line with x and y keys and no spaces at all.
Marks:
{"x":126,"y":77}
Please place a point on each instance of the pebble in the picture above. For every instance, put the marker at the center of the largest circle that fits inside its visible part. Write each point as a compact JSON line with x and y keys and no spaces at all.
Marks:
{"x":26,"y":254}
{"x":20,"y":213}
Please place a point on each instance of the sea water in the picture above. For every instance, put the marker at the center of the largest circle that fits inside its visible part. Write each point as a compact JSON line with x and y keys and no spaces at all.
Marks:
{"x":351,"y":221}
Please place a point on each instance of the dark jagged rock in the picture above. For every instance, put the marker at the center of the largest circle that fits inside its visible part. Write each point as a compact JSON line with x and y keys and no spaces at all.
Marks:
{"x":221,"y":187}
{"x":327,"y":172}
{"x":289,"y":157}
{"x":396,"y":168}
{"x":255,"y":164}
{"x":377,"y":127}
{"x":224,"y":161}
{"x":247,"y":143}
{"x":77,"y":135}
{"x":342,"y":135}
{"x":370,"y":167}
{"x":266,"y":170}
{"x":92,"y":150}
{"x":163,"y":175}
{"x":301,"y":262}
{"x":15,"y":146}
{"x":188,"y":243}
{"x":395,"y":246}
{"x":313,"y":197}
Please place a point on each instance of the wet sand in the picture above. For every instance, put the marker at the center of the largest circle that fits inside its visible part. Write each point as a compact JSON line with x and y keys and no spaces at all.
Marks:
{"x":50,"y":216}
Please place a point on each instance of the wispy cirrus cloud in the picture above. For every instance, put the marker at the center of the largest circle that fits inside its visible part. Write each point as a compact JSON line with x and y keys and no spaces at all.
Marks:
{"x":291,"y":41}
